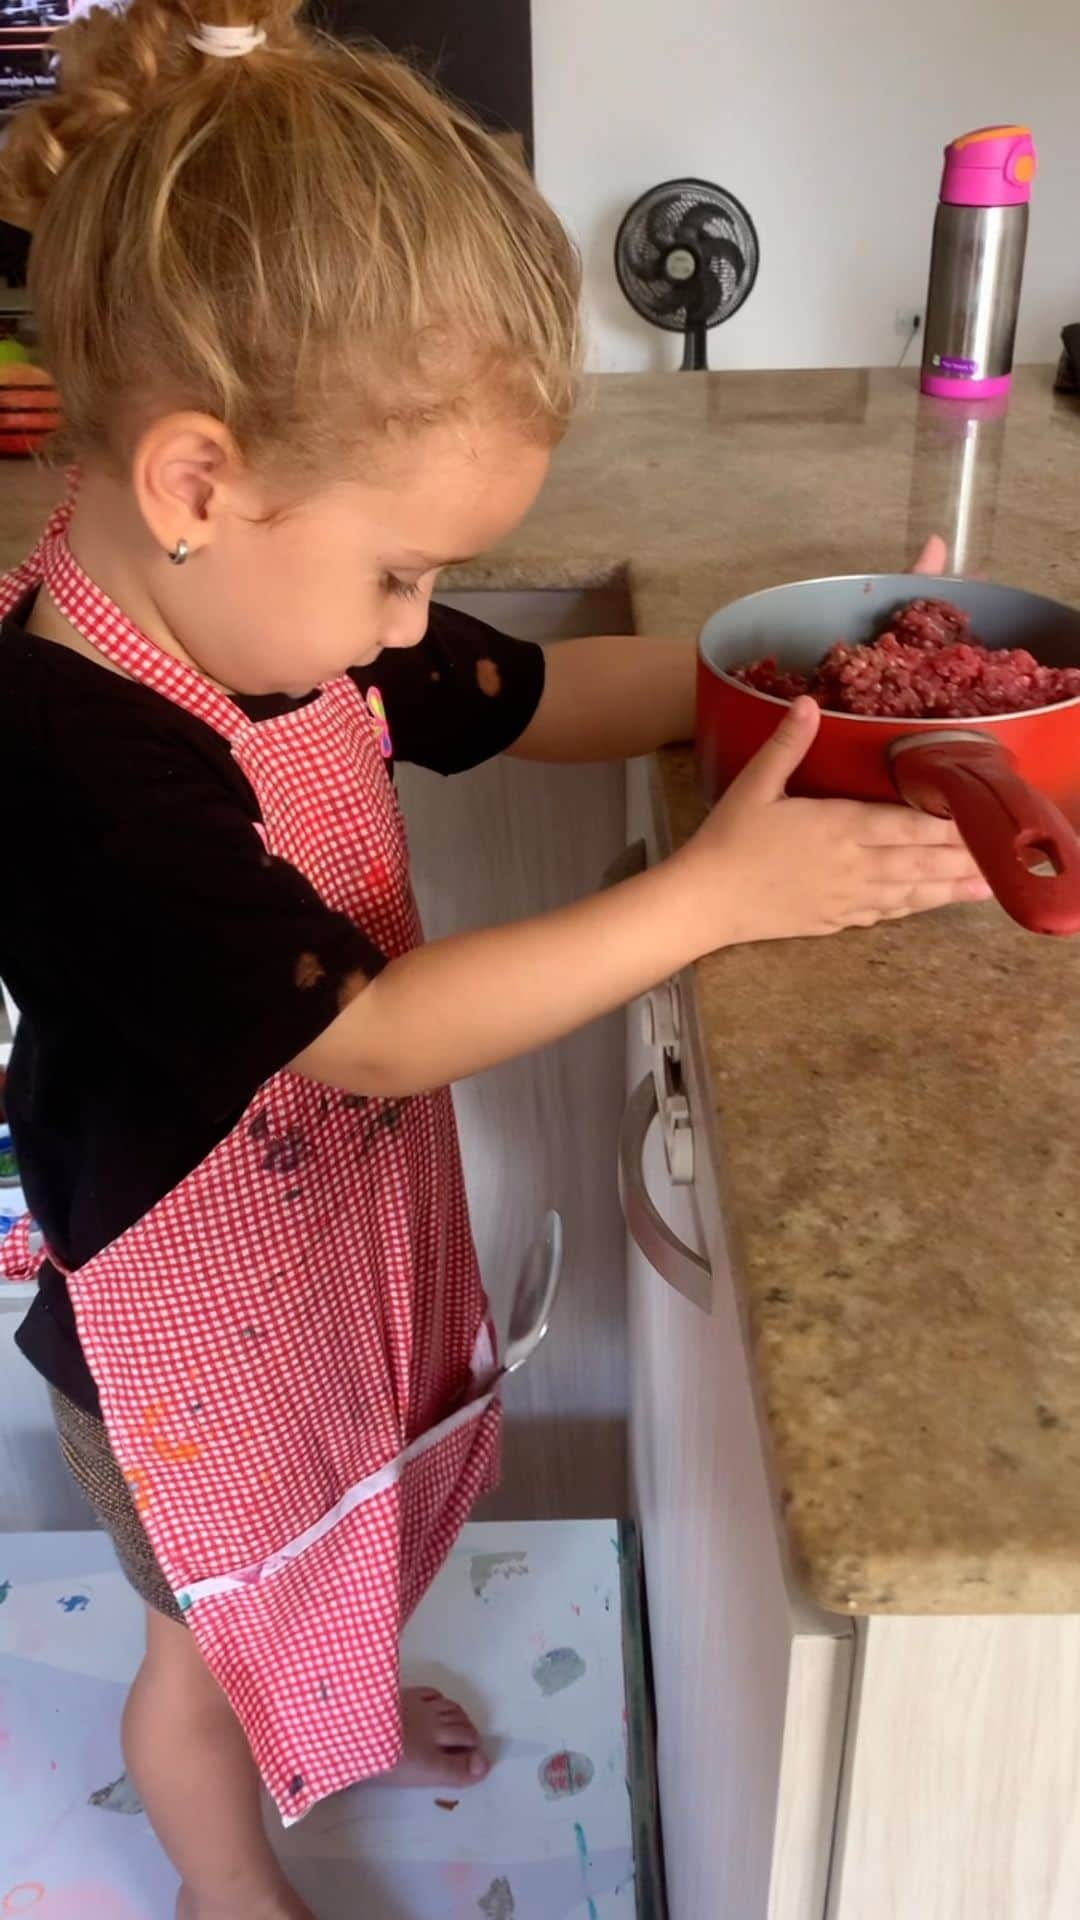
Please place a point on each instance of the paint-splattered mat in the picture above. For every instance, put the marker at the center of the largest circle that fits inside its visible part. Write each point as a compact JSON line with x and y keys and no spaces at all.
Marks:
{"x":524,"y":1626}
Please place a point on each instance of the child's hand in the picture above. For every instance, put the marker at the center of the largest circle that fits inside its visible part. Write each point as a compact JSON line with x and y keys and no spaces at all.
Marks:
{"x":767,"y":867}
{"x":933,"y":556}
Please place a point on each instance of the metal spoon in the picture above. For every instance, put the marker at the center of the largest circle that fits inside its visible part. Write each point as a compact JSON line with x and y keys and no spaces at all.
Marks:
{"x":534,"y":1300}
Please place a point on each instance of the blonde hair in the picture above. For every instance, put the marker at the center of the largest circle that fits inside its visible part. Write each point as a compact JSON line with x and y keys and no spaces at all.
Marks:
{"x":308,"y":243}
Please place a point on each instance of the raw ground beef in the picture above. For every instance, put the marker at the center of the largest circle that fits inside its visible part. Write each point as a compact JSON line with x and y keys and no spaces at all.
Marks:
{"x":927,"y":665}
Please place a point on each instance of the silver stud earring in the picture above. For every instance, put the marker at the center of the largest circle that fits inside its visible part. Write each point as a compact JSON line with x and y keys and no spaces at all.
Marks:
{"x":179,"y":553}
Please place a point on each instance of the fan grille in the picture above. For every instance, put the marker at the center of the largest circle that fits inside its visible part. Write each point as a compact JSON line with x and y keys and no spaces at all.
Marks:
{"x":720,"y":231}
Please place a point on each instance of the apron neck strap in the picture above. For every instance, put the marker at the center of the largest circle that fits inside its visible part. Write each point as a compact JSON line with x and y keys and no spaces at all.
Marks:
{"x":28,"y":575}
{"x":100,"y":622}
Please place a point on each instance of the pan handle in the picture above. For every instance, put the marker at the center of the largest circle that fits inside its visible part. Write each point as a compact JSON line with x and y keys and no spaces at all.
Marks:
{"x":1012,"y":829}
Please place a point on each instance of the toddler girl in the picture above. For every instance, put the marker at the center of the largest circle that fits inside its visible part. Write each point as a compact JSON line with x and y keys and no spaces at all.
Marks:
{"x":315,"y":336}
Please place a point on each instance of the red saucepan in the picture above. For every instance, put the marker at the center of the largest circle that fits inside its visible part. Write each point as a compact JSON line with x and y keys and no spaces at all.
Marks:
{"x":1011,"y":782}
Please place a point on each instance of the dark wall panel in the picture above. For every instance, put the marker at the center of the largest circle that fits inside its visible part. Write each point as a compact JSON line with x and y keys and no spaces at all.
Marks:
{"x":479,"y":50}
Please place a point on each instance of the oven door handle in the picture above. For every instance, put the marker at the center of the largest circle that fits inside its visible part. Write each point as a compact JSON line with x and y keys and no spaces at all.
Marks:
{"x":674,"y":1261}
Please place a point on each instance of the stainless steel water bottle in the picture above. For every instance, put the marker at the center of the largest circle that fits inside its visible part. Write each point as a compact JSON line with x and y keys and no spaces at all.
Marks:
{"x":977,"y":263}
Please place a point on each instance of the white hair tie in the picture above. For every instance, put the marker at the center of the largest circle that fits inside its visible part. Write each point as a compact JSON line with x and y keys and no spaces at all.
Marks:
{"x":227,"y":43}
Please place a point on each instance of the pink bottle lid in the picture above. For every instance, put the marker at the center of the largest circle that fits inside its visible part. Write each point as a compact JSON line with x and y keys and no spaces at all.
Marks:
{"x":992,"y":167}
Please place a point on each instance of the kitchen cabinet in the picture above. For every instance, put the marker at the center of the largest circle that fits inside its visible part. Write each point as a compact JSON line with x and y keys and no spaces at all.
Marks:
{"x":504,"y":841}
{"x":811,"y":1766}
{"x":961,"y":1775}
{"x":751,"y":1684}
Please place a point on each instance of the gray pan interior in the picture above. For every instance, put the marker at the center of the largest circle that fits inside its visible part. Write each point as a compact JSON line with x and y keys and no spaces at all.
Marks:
{"x":797,"y":624}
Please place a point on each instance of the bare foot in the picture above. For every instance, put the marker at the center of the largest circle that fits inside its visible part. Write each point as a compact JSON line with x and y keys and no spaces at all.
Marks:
{"x":288,"y":1906}
{"x":442,"y":1747}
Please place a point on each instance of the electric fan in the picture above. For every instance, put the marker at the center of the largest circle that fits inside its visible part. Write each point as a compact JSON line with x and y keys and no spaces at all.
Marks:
{"x":686,"y":256}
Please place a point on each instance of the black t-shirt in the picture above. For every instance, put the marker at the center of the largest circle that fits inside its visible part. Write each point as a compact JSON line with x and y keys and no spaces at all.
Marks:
{"x":151,"y":946}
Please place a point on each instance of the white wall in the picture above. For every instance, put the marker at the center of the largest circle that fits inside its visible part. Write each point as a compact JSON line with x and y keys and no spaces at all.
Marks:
{"x":827,"y":119}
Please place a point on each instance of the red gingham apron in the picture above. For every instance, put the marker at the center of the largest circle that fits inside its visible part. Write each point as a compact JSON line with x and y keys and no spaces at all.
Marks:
{"x":286,"y":1345}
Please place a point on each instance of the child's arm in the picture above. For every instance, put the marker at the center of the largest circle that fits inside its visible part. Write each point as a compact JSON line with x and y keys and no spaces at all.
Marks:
{"x":763,"y":867}
{"x":612,"y":697}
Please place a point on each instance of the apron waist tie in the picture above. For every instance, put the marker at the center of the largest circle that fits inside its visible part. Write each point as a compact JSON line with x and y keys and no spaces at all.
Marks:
{"x":355,"y":1496}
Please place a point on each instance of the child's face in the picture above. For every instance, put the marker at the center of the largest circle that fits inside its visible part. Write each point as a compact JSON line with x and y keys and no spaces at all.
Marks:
{"x":278,"y":596}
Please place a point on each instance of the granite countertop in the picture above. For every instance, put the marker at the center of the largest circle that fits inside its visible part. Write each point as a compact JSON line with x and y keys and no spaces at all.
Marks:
{"x":895,"y":1111}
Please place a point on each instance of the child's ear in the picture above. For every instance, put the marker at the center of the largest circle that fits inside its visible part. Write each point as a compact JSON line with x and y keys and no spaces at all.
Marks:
{"x":185,"y":470}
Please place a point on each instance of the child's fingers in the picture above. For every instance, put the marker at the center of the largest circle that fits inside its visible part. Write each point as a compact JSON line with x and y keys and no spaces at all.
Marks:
{"x":933,"y":557}
{"x":766,"y":777}
{"x":906,"y":866}
{"x":889,"y":826}
{"x":928,"y":895}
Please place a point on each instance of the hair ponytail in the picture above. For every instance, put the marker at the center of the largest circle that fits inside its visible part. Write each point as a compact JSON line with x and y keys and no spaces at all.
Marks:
{"x":307,"y":241}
